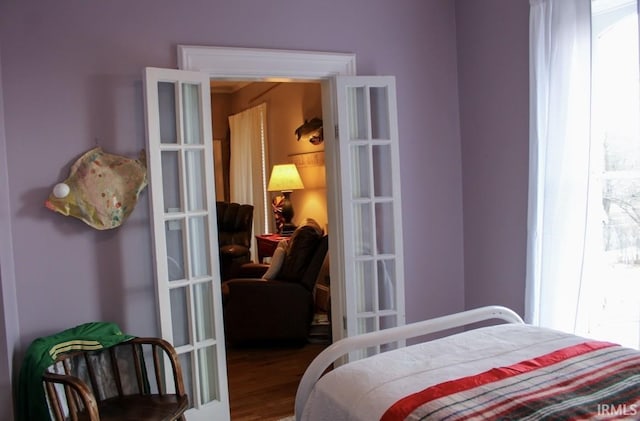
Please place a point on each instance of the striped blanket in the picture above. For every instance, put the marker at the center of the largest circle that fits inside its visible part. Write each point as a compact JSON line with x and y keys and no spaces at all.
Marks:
{"x":588,"y":380}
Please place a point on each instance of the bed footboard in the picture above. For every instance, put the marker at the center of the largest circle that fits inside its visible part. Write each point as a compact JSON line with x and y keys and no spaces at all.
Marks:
{"x":353,"y":343}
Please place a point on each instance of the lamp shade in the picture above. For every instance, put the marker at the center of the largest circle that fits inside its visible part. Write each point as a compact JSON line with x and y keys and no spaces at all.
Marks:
{"x":285,"y":177}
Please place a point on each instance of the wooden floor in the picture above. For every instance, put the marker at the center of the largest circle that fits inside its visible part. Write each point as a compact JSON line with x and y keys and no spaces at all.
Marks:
{"x":263,"y":381}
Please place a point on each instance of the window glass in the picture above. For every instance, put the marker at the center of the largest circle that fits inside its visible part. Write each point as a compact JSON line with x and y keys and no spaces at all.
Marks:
{"x":610,"y":309}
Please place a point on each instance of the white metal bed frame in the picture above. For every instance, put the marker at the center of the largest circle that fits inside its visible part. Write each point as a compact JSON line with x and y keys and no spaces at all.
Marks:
{"x":411,"y":330}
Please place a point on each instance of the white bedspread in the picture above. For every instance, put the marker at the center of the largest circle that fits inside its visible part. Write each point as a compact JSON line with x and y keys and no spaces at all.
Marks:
{"x":363,"y":390}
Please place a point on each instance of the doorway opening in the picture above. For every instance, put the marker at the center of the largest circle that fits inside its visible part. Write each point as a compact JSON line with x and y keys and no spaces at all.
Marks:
{"x":270,"y":372}
{"x":364,"y":204}
{"x":287,"y":106}
{"x":259,"y":65}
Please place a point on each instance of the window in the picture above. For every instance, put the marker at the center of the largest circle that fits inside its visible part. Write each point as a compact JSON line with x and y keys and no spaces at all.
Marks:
{"x":611,"y":295}
{"x":583,"y":267}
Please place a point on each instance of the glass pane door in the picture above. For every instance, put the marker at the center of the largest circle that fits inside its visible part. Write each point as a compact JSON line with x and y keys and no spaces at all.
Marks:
{"x":370,"y":186}
{"x":185,"y":233}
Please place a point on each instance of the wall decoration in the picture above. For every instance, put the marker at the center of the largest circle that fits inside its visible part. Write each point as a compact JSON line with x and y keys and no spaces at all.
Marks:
{"x":311,"y":131}
{"x":102,"y":189}
{"x":310,"y":159}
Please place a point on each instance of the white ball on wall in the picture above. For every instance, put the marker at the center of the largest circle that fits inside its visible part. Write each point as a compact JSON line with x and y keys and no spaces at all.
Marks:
{"x":61,"y":190}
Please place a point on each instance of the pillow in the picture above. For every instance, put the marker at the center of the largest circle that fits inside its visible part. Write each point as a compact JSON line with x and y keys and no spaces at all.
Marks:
{"x":302,"y":246}
{"x":276,"y":260}
{"x":310,"y":222}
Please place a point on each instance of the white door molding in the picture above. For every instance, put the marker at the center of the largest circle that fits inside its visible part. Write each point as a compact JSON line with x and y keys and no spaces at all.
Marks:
{"x":263,"y":64}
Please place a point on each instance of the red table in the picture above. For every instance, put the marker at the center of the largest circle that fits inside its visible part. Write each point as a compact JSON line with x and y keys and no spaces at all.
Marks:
{"x":267,"y":244}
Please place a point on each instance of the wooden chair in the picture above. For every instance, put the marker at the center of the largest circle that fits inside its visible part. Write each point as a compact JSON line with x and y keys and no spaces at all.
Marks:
{"x":123,"y":382}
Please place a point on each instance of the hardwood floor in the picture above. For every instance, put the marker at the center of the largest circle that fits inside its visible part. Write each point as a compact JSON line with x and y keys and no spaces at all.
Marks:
{"x":263,"y":381}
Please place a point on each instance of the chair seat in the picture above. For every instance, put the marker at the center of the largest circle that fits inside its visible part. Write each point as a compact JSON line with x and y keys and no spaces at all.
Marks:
{"x":146,"y":407}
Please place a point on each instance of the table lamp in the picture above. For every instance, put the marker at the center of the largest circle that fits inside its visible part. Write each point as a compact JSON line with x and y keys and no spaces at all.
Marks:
{"x":285,"y":178}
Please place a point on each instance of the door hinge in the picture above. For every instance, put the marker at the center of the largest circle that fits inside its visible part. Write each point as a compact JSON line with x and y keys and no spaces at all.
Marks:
{"x":336,"y":130}
{"x":344,"y":323}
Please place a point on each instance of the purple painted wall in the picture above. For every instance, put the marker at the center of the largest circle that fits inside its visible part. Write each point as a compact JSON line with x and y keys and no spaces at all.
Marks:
{"x":493,"y":80}
{"x":71,"y":79}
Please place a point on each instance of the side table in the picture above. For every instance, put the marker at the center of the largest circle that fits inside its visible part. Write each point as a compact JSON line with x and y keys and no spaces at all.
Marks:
{"x":267,"y":244}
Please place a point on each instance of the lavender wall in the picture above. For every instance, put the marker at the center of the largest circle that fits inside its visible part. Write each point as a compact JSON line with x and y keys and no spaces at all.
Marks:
{"x":71,"y":79}
{"x":492,"y":44}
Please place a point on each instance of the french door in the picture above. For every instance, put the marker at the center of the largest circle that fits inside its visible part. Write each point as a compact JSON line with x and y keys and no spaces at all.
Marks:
{"x":367,"y":269}
{"x":182,"y":194}
{"x":368,"y":181}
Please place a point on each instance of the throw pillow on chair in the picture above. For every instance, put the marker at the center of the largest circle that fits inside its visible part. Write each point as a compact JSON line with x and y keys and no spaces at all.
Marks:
{"x":277,"y":260}
{"x":302,"y":245}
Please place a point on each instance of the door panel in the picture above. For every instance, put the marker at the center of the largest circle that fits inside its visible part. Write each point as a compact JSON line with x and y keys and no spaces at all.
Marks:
{"x":182,"y":191}
{"x":369,"y":177}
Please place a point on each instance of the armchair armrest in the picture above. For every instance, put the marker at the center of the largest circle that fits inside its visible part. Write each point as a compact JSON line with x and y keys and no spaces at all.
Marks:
{"x":75,"y":391}
{"x":170,"y":352}
{"x":252,"y":270}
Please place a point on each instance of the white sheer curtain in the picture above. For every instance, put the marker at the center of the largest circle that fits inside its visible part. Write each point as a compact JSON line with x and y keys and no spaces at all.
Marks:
{"x":247,"y":177}
{"x":559,"y":159}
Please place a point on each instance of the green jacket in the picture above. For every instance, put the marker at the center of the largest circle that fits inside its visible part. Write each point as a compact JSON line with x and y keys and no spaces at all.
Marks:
{"x":31,"y":400}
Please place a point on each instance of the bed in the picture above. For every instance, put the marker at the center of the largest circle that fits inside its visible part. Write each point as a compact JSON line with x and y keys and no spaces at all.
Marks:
{"x":508,"y":371}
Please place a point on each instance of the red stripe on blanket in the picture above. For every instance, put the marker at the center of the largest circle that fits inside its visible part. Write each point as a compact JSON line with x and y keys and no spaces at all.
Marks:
{"x":569,"y":385}
{"x":405,"y":406}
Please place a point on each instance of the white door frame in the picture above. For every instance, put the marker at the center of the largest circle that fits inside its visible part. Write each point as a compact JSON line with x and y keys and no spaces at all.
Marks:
{"x":265,"y":65}
{"x":288,"y":66}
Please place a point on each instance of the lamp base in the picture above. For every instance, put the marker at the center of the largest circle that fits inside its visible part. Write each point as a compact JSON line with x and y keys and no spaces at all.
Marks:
{"x":288,"y":229}
{"x":283,"y":213}
{"x":287,"y":214}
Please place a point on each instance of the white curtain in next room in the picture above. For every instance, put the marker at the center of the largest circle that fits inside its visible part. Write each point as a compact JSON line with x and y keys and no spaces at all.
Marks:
{"x":247,"y":172}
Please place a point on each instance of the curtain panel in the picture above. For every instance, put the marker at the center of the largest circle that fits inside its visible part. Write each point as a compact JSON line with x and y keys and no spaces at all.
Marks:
{"x":560,"y":86}
{"x":247,"y":165}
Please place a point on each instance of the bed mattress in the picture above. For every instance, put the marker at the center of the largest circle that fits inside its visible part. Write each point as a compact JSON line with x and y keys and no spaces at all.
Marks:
{"x":432,"y":380}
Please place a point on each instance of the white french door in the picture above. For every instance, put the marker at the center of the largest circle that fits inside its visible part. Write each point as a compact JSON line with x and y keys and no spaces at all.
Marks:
{"x":367,"y":177}
{"x":182,"y":196}
{"x":363,"y":174}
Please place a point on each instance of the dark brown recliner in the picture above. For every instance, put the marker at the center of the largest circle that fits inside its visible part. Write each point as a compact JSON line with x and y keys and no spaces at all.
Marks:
{"x":235,"y":223}
{"x":279,"y":309}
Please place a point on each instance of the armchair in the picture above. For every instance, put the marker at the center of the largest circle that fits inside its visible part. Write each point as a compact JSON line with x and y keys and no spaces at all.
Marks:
{"x":109,"y":392}
{"x":280,"y":308}
{"x":95,"y":372}
{"x":235,"y":223}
